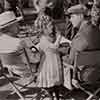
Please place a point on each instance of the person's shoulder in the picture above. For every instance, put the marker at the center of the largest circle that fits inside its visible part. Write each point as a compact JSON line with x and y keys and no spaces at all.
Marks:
{"x":86,"y":26}
{"x":91,"y":27}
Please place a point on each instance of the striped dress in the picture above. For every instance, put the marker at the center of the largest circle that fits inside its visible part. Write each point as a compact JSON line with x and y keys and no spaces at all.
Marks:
{"x":51,"y":70}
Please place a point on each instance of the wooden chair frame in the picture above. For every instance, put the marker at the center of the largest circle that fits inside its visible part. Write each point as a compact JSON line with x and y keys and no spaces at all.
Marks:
{"x":87,"y":58}
{"x":43,"y":93}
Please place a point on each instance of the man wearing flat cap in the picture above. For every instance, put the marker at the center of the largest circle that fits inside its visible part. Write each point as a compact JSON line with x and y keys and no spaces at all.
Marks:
{"x":88,"y":35}
{"x":71,"y":31}
{"x":85,"y":38}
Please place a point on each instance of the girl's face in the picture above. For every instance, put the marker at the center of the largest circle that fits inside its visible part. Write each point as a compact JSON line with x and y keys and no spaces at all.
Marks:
{"x":50,"y":28}
{"x":50,"y":31}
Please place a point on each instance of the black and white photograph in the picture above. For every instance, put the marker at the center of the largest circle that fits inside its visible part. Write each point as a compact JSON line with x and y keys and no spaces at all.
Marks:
{"x":49,"y":49}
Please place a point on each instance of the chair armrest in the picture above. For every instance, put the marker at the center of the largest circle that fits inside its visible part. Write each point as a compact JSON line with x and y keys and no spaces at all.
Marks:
{"x":87,"y":58}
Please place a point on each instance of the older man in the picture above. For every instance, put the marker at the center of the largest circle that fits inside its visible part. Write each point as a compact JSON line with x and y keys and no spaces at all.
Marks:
{"x":88,"y":36}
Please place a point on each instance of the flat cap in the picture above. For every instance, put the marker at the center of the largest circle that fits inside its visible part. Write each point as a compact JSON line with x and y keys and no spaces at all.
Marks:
{"x":77,"y":9}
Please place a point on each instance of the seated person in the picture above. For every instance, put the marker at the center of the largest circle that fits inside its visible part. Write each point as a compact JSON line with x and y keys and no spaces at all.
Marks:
{"x":12,"y":48}
{"x":87,"y":38}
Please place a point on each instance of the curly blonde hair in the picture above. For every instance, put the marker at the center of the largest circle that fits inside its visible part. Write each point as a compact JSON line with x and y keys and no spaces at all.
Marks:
{"x":42,"y":21}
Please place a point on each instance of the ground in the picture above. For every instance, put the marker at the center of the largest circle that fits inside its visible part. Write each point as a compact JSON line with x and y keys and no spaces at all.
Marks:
{"x":6,"y":90}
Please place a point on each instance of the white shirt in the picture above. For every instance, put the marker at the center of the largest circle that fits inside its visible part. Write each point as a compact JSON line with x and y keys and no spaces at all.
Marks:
{"x":8,"y":44}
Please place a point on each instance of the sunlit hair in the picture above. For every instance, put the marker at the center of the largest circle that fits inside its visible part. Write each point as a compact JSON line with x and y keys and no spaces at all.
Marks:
{"x":42,"y":21}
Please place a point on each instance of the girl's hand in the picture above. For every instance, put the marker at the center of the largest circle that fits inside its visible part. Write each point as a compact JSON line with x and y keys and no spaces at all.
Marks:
{"x":57,"y":42}
{"x":75,"y":83}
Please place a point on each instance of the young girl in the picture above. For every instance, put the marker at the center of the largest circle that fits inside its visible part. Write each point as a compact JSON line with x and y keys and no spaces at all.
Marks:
{"x":51,"y":70}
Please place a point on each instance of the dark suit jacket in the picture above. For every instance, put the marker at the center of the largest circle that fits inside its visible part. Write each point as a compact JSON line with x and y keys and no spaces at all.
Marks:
{"x":87,"y":38}
{"x":70,"y":31}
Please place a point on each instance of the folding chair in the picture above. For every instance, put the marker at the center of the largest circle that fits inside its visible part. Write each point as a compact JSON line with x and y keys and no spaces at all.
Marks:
{"x":14,"y":84}
{"x":11,"y":83}
{"x":17,"y":87}
{"x":87,"y":58}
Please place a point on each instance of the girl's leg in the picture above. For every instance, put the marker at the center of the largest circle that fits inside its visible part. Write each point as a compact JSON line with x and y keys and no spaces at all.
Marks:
{"x":50,"y":93}
{"x":56,"y":90}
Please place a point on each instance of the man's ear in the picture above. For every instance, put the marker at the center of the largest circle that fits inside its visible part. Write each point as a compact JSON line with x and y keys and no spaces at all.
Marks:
{"x":81,"y":16}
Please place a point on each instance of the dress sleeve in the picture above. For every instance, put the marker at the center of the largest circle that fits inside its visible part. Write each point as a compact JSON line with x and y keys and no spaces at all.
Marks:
{"x":79,"y":43}
{"x":38,"y":46}
{"x":56,"y":43}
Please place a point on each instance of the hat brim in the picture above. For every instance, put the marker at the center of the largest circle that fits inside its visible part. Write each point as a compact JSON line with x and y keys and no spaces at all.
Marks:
{"x":75,"y":13}
{"x":11,"y":22}
{"x":67,"y":13}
